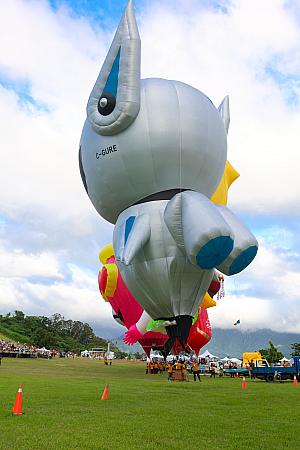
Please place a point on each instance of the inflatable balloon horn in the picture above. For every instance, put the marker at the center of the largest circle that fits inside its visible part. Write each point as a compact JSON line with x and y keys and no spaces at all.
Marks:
{"x":152,"y":153}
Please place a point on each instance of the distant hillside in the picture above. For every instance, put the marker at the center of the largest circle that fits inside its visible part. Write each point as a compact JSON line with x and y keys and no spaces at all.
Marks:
{"x":235,"y":343}
{"x":54,"y":332}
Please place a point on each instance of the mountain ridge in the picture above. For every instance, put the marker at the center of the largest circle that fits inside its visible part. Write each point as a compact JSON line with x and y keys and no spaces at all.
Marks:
{"x":234,"y":342}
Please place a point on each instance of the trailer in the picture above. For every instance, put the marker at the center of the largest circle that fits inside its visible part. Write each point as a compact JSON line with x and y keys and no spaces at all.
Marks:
{"x":262,"y":370}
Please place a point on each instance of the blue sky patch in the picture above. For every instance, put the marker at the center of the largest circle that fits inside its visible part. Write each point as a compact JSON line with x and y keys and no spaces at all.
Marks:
{"x":23,"y":90}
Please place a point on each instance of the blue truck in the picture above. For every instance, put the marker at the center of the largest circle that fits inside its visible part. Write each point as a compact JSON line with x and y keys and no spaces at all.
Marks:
{"x":262,"y":370}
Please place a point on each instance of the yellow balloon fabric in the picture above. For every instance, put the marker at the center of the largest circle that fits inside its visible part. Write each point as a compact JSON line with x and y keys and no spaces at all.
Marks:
{"x":207,"y":302}
{"x":221,"y":195}
{"x":112,"y":279}
{"x":105,"y":253}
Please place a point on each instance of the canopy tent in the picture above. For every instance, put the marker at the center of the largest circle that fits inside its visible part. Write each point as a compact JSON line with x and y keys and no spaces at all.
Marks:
{"x":155,"y":355}
{"x":209,"y":355}
{"x":284,"y":359}
{"x":236,"y":360}
{"x":225,"y":359}
{"x":43,"y":349}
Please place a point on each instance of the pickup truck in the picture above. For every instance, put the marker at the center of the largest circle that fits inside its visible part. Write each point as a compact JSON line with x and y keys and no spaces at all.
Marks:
{"x":264,"y":371}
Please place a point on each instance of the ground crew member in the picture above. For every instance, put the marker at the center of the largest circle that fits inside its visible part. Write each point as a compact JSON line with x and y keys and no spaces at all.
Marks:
{"x":195,"y":370}
{"x":170,"y":371}
{"x":151,"y":366}
{"x":184,"y":371}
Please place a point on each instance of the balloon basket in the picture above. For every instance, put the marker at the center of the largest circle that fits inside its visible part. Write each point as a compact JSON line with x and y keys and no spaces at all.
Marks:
{"x":179,"y":376}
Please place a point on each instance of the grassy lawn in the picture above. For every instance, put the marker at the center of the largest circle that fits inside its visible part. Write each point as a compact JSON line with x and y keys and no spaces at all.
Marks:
{"x":63,"y":410}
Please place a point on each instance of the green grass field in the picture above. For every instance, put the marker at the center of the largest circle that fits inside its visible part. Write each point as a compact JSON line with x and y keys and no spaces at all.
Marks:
{"x":63,"y":410}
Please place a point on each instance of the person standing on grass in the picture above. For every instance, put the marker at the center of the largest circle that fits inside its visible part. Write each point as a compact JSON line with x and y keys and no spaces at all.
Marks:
{"x":212,"y":371}
{"x":195,"y":370}
{"x":170,"y":371}
{"x":151,"y":365}
{"x":184,"y":371}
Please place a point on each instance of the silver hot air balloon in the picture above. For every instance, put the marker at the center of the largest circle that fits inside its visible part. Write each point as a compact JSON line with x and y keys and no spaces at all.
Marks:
{"x":152,"y":153}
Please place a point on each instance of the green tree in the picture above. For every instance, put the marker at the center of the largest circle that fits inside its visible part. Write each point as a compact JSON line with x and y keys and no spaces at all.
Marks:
{"x":19,"y":316}
{"x":296,"y":349}
{"x":271,"y":354}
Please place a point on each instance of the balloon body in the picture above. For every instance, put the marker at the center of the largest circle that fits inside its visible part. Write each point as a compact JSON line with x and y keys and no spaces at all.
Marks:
{"x":128,"y":312}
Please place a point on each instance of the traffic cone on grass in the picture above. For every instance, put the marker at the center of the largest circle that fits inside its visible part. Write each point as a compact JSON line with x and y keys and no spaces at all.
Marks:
{"x":295,"y":381}
{"x":105,"y":393}
{"x":17,"y":409}
{"x":244,"y":383}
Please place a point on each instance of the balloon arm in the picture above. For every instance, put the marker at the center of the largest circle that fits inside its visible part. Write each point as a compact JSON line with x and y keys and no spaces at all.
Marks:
{"x":245,"y":244}
{"x":206,"y":242}
{"x":136,"y":239}
{"x":143,"y":322}
{"x":132,"y":335}
{"x":137,"y":331}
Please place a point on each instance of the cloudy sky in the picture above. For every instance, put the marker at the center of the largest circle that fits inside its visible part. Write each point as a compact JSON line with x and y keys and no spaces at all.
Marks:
{"x":50,"y":55}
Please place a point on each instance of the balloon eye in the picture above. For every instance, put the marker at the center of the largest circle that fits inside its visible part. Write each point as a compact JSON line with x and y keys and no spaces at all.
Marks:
{"x":106,"y":104}
{"x":103,"y":102}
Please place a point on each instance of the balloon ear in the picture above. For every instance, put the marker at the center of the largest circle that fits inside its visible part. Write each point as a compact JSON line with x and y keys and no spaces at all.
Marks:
{"x":114,"y":102}
{"x":225,"y":113}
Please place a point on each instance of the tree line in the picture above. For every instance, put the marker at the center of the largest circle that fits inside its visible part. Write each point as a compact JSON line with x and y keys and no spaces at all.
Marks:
{"x":273,"y":355}
{"x":54,"y":332}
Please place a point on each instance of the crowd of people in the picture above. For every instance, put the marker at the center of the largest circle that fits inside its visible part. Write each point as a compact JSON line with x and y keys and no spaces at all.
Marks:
{"x":10,"y":347}
{"x":177,"y":368}
{"x":20,"y":349}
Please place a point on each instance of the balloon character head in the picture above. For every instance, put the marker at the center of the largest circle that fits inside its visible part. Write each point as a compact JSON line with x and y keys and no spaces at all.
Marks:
{"x":138,"y":131}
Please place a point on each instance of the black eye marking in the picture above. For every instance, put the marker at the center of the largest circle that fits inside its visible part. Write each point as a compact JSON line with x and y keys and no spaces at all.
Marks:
{"x":106,"y":104}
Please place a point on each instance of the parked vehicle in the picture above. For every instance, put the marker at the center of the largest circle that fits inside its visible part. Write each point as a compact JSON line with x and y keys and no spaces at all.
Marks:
{"x":262,"y":370}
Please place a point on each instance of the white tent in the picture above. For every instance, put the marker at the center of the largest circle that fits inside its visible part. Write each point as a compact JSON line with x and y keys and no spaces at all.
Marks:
{"x":284,"y":359}
{"x":43,"y":349}
{"x":236,"y":361}
{"x":208,"y":355}
{"x":156,"y":355}
{"x":225,"y":359}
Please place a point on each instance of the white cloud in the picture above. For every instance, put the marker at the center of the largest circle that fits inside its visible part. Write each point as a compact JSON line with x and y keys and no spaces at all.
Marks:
{"x":229,"y":54}
{"x":20,"y":265}
{"x":78,"y":299}
{"x":265,"y":295}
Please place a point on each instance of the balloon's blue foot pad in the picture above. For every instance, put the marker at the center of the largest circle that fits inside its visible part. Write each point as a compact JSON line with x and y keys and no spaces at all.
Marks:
{"x":243,"y":260}
{"x":214,"y":252}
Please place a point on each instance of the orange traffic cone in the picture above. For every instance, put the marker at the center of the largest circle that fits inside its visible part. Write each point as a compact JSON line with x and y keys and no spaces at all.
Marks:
{"x":295,"y":381}
{"x":105,"y":393}
{"x":237,"y":375}
{"x":17,"y":409}
{"x":244,"y":383}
